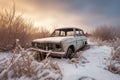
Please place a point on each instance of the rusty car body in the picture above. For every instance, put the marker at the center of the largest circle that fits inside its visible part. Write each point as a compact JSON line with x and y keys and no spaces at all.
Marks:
{"x":63,"y":42}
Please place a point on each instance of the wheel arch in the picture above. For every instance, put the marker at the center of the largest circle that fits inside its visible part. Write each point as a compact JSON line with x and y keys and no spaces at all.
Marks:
{"x":72,"y":47}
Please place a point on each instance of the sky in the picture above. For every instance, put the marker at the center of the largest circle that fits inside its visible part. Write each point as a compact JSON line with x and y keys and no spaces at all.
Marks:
{"x":86,"y":14}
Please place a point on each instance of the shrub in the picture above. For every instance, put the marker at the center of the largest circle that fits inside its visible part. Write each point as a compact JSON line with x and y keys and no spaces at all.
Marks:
{"x":41,"y":33}
{"x":23,"y":64}
{"x":13,"y":26}
{"x":114,"y":65}
{"x":106,"y":33}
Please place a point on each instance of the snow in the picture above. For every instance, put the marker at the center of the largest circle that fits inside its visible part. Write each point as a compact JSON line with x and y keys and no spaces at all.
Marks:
{"x":49,"y":51}
{"x":97,"y":60}
{"x":4,"y":55}
{"x":91,"y":66}
{"x":53,"y":39}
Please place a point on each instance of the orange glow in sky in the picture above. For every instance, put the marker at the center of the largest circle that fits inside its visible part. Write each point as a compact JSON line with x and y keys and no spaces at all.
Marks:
{"x":45,"y":14}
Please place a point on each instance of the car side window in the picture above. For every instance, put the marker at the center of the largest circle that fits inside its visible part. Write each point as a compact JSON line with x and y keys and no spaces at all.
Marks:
{"x":62,"y":33}
{"x":79,"y":33}
{"x":56,"y":33}
{"x":70,"y":33}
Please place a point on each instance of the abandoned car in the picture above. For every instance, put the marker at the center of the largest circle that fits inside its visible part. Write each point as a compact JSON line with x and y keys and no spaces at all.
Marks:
{"x":63,"y":42}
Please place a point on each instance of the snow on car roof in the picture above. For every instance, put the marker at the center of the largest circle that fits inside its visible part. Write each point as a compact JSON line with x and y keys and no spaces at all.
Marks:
{"x":68,"y":28}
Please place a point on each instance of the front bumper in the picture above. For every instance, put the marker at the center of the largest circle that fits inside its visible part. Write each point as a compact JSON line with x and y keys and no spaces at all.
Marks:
{"x":51,"y":53}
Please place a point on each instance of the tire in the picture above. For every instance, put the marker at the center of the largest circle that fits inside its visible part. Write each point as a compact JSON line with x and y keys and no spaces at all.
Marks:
{"x":85,"y":43}
{"x":70,"y":53}
{"x":84,"y":46}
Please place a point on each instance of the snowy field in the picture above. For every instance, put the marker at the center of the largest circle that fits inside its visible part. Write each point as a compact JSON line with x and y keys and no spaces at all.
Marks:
{"x":92,"y":65}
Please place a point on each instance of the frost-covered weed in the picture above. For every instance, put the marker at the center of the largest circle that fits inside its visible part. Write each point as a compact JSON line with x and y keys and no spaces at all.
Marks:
{"x":23,"y":65}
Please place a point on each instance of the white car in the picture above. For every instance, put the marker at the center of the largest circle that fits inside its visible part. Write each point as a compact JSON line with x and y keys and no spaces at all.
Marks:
{"x":63,"y":42}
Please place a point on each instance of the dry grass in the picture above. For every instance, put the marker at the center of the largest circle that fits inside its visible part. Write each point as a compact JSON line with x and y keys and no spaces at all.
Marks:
{"x":19,"y":64}
{"x":23,"y":64}
{"x":41,"y":33}
{"x":14,"y":26}
{"x":115,"y":43}
{"x":115,"y":62}
{"x":106,"y":33}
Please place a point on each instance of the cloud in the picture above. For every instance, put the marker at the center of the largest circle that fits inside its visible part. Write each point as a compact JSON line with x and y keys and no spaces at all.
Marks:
{"x":88,"y":13}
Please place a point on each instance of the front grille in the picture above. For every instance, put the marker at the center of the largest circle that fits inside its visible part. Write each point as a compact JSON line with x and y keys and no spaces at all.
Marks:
{"x":46,"y":46}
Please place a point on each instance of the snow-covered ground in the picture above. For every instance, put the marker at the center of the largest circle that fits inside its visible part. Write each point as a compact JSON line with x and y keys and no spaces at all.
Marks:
{"x":95,"y":61}
{"x":91,"y":66}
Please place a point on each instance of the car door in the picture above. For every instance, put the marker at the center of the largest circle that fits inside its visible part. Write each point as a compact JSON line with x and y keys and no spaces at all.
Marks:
{"x":79,"y":39}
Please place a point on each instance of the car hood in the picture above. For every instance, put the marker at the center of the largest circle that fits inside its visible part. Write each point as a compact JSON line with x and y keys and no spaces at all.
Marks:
{"x":52,"y":39}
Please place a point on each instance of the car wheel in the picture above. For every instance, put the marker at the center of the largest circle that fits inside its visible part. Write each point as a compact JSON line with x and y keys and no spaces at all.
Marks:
{"x":70,"y":53}
{"x":85,"y":43}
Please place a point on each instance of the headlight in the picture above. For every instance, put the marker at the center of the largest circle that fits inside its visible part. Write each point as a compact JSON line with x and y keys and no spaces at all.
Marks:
{"x":58,"y":47}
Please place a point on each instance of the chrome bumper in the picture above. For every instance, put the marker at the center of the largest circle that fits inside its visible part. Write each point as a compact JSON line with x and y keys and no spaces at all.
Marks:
{"x":52,"y":53}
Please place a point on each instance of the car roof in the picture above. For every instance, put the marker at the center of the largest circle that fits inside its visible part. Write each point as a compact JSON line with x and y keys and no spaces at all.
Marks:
{"x":68,"y":28}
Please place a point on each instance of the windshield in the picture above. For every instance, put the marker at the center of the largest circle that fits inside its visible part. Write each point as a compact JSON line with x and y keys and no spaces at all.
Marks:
{"x":63,"y":32}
